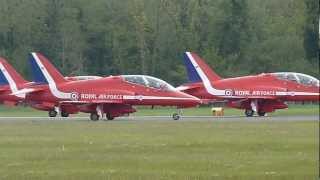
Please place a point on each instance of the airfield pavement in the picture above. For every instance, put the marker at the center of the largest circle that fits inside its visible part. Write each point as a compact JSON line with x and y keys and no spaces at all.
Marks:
{"x":183,"y":118}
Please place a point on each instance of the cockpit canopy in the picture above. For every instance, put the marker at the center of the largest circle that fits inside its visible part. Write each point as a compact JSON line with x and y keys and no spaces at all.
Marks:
{"x":148,"y":81}
{"x":298,"y":78}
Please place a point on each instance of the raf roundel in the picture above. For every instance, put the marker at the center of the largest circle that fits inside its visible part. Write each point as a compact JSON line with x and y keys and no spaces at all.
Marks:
{"x":229,"y":92}
{"x":74,"y":96}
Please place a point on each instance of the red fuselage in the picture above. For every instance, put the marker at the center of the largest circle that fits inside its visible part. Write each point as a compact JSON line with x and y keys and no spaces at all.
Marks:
{"x":114,"y":92}
{"x":260,"y":86}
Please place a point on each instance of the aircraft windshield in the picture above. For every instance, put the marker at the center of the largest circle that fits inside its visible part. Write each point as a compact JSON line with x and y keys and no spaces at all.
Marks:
{"x":148,"y":81}
{"x":298,"y":78}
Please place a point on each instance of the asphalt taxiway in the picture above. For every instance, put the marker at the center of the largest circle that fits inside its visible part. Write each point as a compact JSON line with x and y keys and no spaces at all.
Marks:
{"x":183,"y":118}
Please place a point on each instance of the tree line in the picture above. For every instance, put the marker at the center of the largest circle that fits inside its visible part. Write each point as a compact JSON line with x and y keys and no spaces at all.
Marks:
{"x":110,"y":37}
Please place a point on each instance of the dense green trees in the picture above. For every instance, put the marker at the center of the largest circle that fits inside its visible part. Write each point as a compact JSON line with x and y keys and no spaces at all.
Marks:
{"x":311,"y":30}
{"x":105,"y":37}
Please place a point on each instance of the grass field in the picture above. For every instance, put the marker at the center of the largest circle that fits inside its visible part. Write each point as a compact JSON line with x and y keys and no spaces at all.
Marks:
{"x":159,"y":150}
{"x":293,"y":110}
{"x":154,"y":150}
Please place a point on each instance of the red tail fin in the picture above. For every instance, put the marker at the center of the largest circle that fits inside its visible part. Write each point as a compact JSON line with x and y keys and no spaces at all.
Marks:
{"x":43,"y":71}
{"x":189,"y":59}
{"x":9,"y":73}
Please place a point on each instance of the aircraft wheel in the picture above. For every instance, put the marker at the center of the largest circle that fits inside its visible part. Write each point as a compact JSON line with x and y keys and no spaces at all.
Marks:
{"x":175,"y":116}
{"x":249,"y":112}
{"x":64,"y":114}
{"x":94,"y":117}
{"x":109,"y":117}
{"x":53,"y":113}
{"x":260,"y":113}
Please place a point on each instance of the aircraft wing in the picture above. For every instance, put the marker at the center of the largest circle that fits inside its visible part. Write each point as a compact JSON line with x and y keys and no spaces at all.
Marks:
{"x":187,"y":87}
{"x":208,"y":101}
{"x":261,"y":97}
{"x":111,"y":101}
{"x":27,"y":90}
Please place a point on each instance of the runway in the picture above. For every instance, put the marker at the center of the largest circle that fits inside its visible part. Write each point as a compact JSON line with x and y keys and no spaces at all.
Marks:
{"x":168,"y":118}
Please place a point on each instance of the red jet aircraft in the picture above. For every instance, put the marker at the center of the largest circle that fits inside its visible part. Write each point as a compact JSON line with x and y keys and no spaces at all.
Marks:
{"x":113,"y":96}
{"x":12,"y":84}
{"x":261,"y":93}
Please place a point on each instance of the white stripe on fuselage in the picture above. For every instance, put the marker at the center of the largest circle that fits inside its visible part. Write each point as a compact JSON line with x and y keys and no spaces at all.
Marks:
{"x":52,"y":85}
{"x":12,"y":84}
{"x":222,"y":93}
{"x":140,"y":98}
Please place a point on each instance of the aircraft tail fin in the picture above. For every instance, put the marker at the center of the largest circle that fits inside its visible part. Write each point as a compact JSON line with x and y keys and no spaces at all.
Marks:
{"x":193,"y":63}
{"x":43,"y":71}
{"x":8,"y":75}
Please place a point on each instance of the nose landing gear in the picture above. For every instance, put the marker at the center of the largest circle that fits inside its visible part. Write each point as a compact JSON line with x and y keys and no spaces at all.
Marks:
{"x":176,"y":116}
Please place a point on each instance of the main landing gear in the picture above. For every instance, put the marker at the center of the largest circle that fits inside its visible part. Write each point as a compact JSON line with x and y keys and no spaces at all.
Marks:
{"x":64,"y":114}
{"x":53,"y":113}
{"x":109,"y":117}
{"x":94,"y":117}
{"x":261,"y":113}
{"x":249,"y":113}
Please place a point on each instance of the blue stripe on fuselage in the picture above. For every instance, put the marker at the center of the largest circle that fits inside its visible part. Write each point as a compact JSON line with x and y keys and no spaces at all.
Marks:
{"x":38,"y":76}
{"x":193,"y":76}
